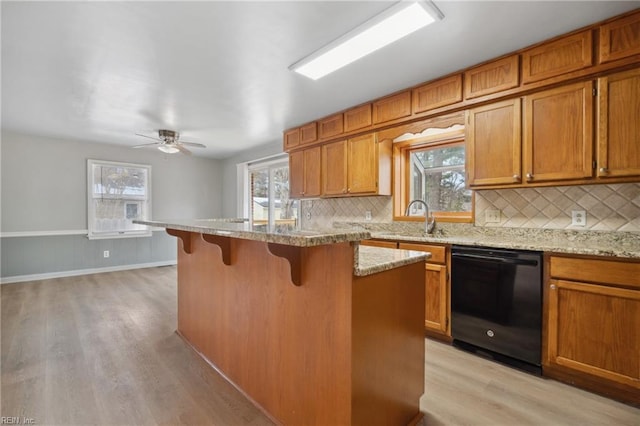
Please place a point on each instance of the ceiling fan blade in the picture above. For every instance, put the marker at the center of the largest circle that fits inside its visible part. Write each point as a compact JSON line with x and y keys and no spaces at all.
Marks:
{"x":181,"y":148}
{"x":193,"y":144}
{"x":149,"y":137}
{"x":146,"y":144}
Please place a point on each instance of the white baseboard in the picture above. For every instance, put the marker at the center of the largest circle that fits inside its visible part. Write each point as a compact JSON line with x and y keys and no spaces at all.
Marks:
{"x":61,"y":274}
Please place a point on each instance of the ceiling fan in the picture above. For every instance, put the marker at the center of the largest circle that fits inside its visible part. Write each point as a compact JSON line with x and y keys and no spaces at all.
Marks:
{"x":167,"y":141}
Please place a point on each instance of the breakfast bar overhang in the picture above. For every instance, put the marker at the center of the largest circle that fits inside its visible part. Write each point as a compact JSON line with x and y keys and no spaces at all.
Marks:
{"x":312,"y":327}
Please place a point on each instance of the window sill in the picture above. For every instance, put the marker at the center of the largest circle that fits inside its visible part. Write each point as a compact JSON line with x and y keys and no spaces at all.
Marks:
{"x":117,"y":235}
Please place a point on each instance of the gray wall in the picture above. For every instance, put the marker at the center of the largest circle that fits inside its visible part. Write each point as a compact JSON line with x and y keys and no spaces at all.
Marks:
{"x":43,"y":189}
{"x":229,"y":174}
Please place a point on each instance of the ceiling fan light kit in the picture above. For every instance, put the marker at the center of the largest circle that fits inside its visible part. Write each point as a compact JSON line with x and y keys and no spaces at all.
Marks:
{"x":167,"y":142}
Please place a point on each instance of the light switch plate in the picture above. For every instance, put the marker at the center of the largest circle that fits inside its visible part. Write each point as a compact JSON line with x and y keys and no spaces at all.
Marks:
{"x":367,"y":215}
{"x":492,"y":216}
{"x":578,"y":218}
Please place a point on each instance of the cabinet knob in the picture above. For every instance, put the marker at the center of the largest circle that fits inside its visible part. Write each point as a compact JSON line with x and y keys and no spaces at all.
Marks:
{"x":348,"y":189}
{"x":516,"y":177}
{"x":529,"y":176}
{"x":552,"y":286}
{"x":604,"y":170}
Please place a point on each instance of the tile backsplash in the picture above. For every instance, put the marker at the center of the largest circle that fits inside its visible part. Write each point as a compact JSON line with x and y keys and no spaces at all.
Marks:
{"x":613,"y":207}
{"x":321,"y":213}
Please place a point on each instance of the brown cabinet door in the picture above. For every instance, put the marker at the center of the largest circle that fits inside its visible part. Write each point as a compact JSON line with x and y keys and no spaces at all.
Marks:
{"x":436,"y":302}
{"x":308,"y":133}
{"x":331,"y":126}
{"x":392,"y":107}
{"x":619,"y":125}
{"x":558,"y":127}
{"x":493,"y":77}
{"x":357,"y":118}
{"x":362,"y":160}
{"x":493,"y":137}
{"x":312,"y":172}
{"x":291,"y":139}
{"x":296,"y":174}
{"x":304,"y":173}
{"x":334,"y":168}
{"x":558,"y":57}
{"x":439,"y":93}
{"x":620,"y":38}
{"x":594,"y":329}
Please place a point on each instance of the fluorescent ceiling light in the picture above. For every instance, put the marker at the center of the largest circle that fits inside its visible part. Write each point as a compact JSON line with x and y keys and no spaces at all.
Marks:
{"x":390,"y":25}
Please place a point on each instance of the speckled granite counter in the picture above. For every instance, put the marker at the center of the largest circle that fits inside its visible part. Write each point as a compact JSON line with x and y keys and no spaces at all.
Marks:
{"x":597,"y":243}
{"x":238,"y":228}
{"x":367,"y":260}
{"x":370,"y":260}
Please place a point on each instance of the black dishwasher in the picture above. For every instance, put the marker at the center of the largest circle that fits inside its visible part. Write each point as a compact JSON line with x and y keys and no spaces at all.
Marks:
{"x":496,"y":304}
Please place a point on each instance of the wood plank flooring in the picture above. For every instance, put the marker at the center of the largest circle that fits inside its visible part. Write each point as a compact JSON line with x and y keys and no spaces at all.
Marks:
{"x":101,"y":349}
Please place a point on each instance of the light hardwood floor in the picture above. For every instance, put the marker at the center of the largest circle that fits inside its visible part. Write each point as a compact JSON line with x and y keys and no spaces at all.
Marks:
{"x":101,"y":349}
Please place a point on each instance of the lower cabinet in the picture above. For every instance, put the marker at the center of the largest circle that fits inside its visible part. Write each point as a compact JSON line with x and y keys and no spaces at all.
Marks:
{"x":593,"y":325}
{"x":437,"y":287}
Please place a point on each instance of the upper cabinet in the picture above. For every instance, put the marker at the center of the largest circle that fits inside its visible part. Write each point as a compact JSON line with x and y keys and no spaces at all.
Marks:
{"x":619,"y":125}
{"x":556,"y":144}
{"x":559,"y":57}
{"x":490,"y":78}
{"x":392,"y":107}
{"x":439,"y":93}
{"x":356,"y":166}
{"x":493,"y":137}
{"x":558,"y":127}
{"x":357,"y":118}
{"x":305,"y":173}
{"x":620,"y":38}
{"x":331,"y":126}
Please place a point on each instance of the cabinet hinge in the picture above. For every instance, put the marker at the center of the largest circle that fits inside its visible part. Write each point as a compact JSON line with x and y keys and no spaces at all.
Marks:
{"x":595,"y":91}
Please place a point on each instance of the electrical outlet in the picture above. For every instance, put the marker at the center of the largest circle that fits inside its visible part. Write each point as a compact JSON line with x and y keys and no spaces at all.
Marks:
{"x":105,"y":254}
{"x":578,"y":218}
{"x":308,"y":215}
{"x":492,"y":216}
{"x":367,"y":215}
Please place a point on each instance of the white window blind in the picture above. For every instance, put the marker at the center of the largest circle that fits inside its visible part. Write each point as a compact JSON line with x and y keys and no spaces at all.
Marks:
{"x":118,"y":193}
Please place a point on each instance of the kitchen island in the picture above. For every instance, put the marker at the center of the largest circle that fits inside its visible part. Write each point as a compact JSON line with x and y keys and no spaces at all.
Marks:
{"x":311,"y":327}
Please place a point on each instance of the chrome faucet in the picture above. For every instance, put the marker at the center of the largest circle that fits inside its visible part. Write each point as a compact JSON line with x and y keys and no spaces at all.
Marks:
{"x":428,"y":224}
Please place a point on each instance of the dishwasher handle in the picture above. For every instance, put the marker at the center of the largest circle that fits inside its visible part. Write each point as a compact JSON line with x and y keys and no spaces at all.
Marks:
{"x":494,"y":259}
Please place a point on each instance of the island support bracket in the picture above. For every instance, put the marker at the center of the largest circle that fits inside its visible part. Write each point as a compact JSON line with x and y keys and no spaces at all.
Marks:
{"x":185,"y":236}
{"x":223,"y":242}
{"x":293,"y":256}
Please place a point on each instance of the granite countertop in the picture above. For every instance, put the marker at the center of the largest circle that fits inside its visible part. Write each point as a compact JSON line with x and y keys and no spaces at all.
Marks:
{"x":597,"y":243}
{"x":241,"y":228}
{"x":370,"y":260}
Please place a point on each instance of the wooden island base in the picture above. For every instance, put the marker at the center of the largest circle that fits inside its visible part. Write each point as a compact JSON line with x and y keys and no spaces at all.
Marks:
{"x":301,"y":336}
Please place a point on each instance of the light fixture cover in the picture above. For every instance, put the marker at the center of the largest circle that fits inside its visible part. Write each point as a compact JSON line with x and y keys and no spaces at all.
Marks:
{"x":399,"y":20}
{"x":168,"y":149}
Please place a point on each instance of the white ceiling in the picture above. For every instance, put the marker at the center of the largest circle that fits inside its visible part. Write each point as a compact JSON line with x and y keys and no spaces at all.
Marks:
{"x":218,"y":71}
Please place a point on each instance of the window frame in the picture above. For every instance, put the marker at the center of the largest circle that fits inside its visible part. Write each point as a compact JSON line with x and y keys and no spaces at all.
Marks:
{"x":402,"y":175}
{"x":92,"y":233}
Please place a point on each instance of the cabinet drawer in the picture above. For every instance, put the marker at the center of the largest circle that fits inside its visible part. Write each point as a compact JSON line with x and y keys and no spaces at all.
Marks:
{"x":562,"y":56}
{"x":357,"y":118}
{"x":392,"y":107}
{"x":331,"y":126}
{"x":596,"y":271}
{"x":439,"y":93}
{"x":438,"y":253}
{"x":491,"y":78}
{"x":380,"y":243}
{"x":620,"y":38}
